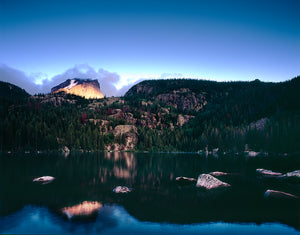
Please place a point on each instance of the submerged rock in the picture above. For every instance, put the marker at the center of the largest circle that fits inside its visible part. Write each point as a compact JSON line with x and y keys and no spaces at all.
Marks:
{"x":122,"y":189}
{"x":268,"y":173}
{"x":279,"y":194}
{"x":44,"y":179}
{"x":182,"y":180}
{"x":209,"y":182}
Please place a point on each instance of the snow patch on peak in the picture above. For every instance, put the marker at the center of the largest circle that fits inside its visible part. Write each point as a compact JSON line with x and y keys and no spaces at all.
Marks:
{"x":72,"y":83}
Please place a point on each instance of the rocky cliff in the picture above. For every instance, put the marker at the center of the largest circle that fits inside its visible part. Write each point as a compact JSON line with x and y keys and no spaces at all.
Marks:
{"x":87,"y":88}
{"x":129,"y":133}
{"x":183,"y":99}
{"x":180,"y":94}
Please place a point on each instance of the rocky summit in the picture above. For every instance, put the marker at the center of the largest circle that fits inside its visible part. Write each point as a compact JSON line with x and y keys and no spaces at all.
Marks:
{"x":87,"y":88}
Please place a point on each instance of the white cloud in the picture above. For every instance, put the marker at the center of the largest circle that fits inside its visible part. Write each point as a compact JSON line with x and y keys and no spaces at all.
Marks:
{"x":171,"y":75}
{"x":39,"y":77}
{"x":41,"y":83}
{"x":19,"y":78}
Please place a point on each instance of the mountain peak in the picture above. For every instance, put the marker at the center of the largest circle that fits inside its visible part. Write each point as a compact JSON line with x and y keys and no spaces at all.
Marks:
{"x":87,"y":88}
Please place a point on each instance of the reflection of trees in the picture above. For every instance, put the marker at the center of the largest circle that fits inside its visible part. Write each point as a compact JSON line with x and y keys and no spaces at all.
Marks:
{"x":121,"y":170}
{"x":85,"y":177}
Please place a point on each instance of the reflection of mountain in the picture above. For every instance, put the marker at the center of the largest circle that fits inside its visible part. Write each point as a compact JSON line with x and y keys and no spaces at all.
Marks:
{"x":82,"y":210}
{"x":113,"y":219}
{"x":155,"y":197}
{"x":39,"y":220}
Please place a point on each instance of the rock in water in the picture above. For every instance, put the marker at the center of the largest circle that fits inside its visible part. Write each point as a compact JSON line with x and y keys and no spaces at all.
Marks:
{"x":122,"y":189}
{"x":65,"y":151}
{"x":209,"y":182}
{"x":44,"y":179}
{"x":218,"y":173}
{"x":181,"y":180}
{"x":279,"y":194}
{"x":268,"y":173}
{"x":293,"y":174}
{"x":87,"y":88}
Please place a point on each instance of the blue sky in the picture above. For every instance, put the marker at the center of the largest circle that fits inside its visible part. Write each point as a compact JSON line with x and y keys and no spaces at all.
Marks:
{"x":133,"y":40}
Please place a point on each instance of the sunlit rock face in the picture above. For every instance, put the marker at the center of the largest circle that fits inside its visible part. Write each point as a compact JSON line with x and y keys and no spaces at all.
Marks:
{"x":87,"y":88}
{"x":84,"y":209}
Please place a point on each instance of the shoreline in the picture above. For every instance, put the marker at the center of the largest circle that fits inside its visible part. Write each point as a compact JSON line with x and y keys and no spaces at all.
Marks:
{"x":200,"y":153}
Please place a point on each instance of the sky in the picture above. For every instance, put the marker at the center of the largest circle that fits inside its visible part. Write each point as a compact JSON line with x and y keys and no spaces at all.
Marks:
{"x":121,"y":42}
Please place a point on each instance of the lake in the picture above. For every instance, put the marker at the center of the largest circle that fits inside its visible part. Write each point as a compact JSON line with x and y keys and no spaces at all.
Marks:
{"x":81,"y":199}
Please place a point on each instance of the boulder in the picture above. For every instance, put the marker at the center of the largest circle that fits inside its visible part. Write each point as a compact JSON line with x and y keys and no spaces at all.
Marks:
{"x":122,"y":189}
{"x":279,"y":194}
{"x":44,"y":179}
{"x":65,"y":151}
{"x":293,"y":174}
{"x":268,"y":173}
{"x":182,"y":180}
{"x":209,"y":182}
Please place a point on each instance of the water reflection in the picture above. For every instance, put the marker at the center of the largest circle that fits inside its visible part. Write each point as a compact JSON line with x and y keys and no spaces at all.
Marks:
{"x":83,"y":181}
{"x":113,"y":219}
{"x":123,"y":165}
{"x":121,"y":170}
{"x":83,"y":209}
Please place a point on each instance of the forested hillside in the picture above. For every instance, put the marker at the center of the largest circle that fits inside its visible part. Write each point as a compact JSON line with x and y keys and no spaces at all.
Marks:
{"x":160,"y":115}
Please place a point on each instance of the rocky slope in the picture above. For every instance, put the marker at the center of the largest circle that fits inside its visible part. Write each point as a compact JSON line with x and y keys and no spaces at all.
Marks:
{"x":87,"y":88}
{"x":183,"y":99}
{"x":179,"y":94}
{"x":160,"y":115}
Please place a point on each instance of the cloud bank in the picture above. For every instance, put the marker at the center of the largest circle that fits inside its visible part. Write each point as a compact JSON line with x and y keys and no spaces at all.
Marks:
{"x":19,"y":78}
{"x":40,"y":83}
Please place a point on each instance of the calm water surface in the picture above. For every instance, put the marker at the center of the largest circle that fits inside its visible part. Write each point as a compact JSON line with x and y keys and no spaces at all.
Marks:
{"x":156,"y":204}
